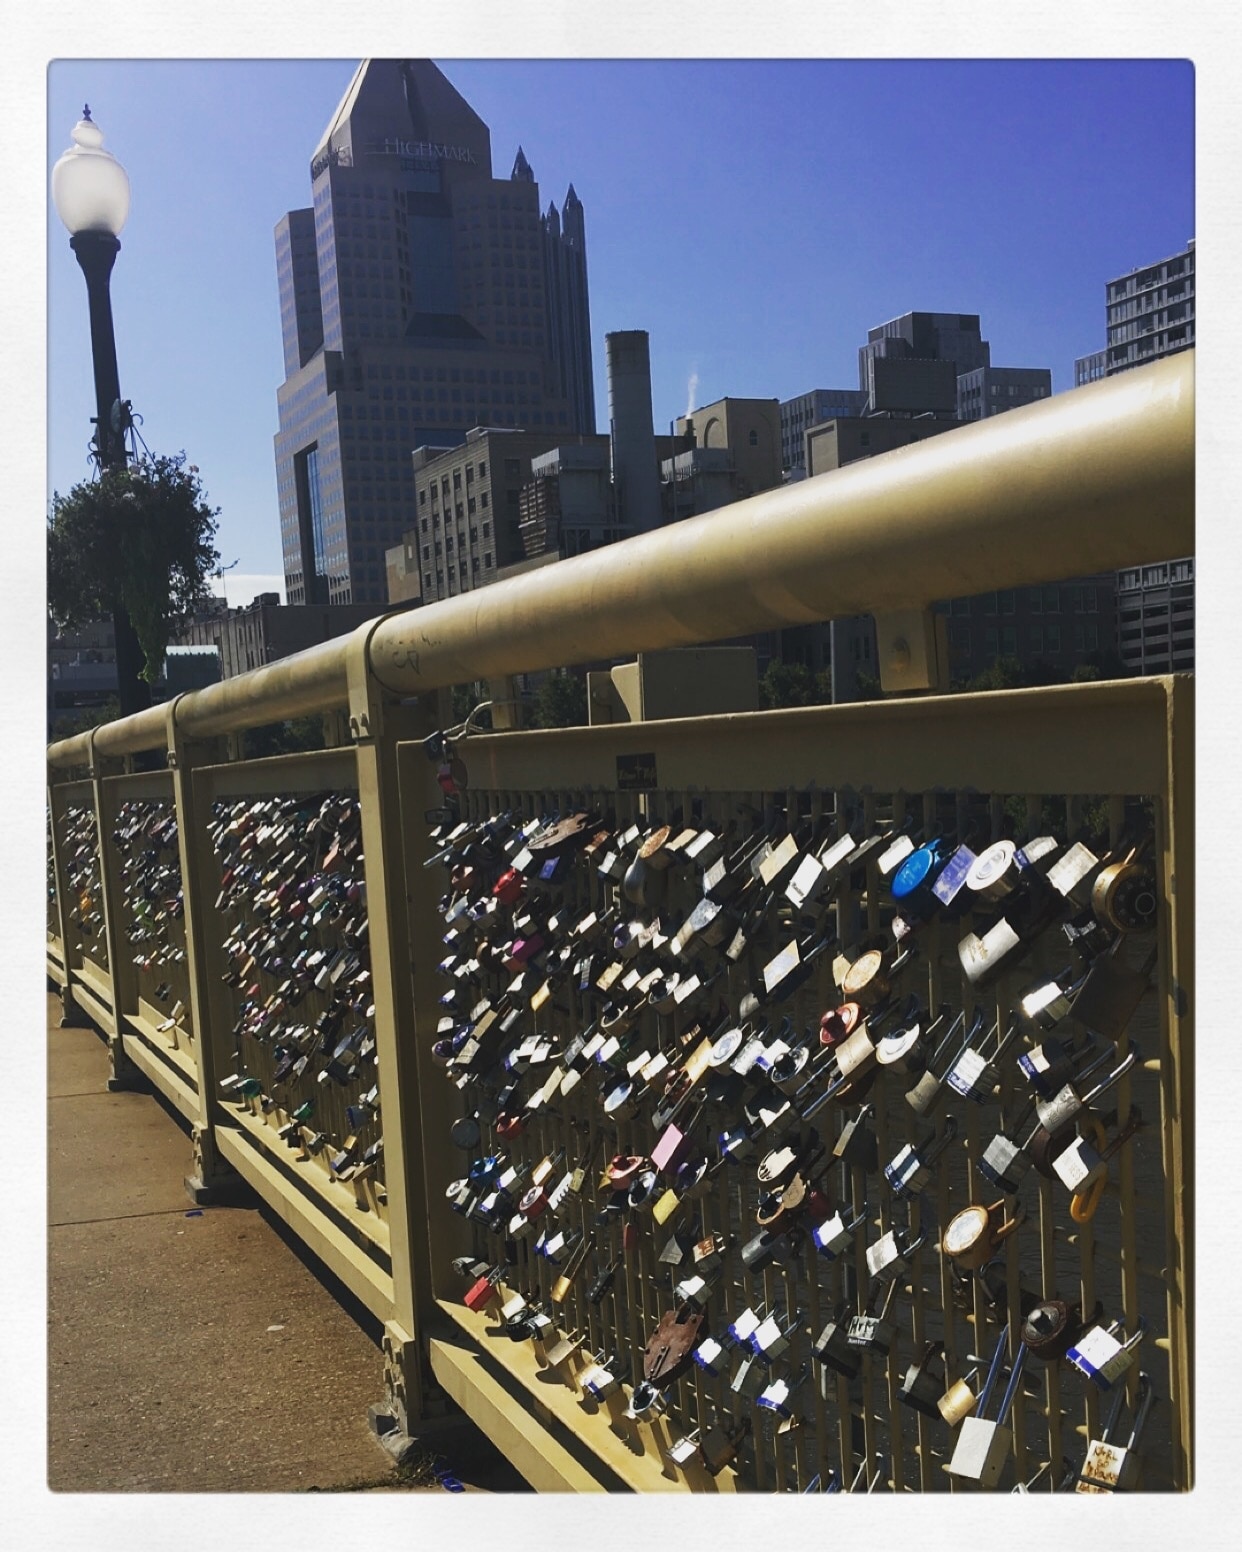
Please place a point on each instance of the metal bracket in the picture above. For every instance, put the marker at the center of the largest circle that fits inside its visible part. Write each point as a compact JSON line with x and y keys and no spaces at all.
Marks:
{"x":365,"y":695}
{"x":913,"y":650}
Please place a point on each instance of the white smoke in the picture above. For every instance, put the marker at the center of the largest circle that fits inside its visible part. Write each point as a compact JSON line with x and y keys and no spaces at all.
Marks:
{"x":692,"y":392}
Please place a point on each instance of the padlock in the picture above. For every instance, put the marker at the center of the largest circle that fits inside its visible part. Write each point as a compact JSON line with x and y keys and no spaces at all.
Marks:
{"x":749,"y":1378}
{"x":777,"y":1394}
{"x":983,"y":958}
{"x":1053,"y":1326}
{"x":483,"y":1292}
{"x":974,"y":1233}
{"x":682,"y":1451}
{"x":1053,"y":1063}
{"x":1111,"y":1467}
{"x":646,"y":1402}
{"x":835,"y":1235}
{"x":1104,"y":1353}
{"x":975,"y":1075}
{"x":922,"y":1389}
{"x":1125,"y":895}
{"x":910,"y":1168}
{"x":856,"y":1142}
{"x":959,"y":1400}
{"x":927,"y":1093}
{"x":1111,"y":992}
{"x":771,"y":1337}
{"x":982,"y":1445}
{"x":1081,"y":1163}
{"x":720,"y":1445}
{"x":1005,"y":1161}
{"x":904,"y":1049}
{"x":601,"y":1377}
{"x":890,"y":1255}
{"x":1067,"y":1104}
{"x":570,"y":1270}
{"x":869,"y":979}
{"x":874,"y":1330}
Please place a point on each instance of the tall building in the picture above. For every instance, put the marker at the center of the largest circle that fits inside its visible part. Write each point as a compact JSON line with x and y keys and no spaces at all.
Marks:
{"x":1149,"y":314}
{"x":895,"y":368}
{"x":799,"y":414}
{"x":991,"y":390}
{"x":420,"y":297}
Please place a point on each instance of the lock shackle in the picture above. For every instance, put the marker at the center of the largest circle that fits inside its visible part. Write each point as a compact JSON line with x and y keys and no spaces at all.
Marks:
{"x":1115,"y":1076}
{"x":1144,"y":1400}
{"x":989,"y":1384}
{"x":1114,"y":1415}
{"x":1015,"y":1379}
{"x":938,"y":1144}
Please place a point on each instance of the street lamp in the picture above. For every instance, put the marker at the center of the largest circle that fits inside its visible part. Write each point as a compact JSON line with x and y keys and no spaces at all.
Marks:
{"x":90,"y":190}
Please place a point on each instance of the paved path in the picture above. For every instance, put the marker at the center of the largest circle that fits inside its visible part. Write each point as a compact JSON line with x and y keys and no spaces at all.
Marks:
{"x":194,"y":1350}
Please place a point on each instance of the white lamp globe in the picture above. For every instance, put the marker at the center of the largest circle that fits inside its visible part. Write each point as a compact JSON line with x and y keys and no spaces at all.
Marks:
{"x":90,"y":188}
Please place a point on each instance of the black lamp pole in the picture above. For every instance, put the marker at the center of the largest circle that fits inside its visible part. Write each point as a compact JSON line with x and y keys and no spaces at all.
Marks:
{"x":96,"y":252}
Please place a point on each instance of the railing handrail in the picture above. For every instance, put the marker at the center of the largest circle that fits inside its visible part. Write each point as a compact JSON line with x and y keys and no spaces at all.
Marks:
{"x":1092,"y":480}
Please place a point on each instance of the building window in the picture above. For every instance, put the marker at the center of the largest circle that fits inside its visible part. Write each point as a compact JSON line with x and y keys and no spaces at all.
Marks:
{"x":1009,"y":641}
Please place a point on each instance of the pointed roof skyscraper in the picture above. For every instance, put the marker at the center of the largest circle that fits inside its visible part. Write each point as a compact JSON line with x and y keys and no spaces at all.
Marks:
{"x":521,"y":169}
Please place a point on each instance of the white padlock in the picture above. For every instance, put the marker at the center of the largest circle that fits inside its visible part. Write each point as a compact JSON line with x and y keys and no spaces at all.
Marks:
{"x":1111,"y":1467}
{"x":1104,"y":1353}
{"x":982,"y":1446}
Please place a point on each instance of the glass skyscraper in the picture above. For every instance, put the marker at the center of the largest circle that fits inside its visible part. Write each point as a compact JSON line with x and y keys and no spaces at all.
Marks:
{"x":419,"y":297}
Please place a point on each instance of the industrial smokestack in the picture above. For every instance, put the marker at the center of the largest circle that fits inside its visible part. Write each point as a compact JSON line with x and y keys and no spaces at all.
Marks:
{"x":635,"y":475}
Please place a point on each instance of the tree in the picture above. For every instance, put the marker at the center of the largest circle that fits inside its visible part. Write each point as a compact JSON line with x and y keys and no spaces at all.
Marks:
{"x":787,"y":684}
{"x":138,"y":539}
{"x":561,"y":701}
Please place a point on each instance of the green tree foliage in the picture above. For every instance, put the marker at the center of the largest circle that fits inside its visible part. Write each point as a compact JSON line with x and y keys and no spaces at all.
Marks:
{"x":140,"y":539}
{"x":560,"y":702}
{"x":292,"y":737}
{"x":787,"y":684}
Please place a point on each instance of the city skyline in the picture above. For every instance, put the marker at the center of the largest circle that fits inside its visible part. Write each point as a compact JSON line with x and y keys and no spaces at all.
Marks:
{"x":757,"y":257}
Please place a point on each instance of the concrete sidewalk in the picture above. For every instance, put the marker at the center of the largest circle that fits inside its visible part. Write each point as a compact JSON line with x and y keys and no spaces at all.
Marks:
{"x":196,"y":1350}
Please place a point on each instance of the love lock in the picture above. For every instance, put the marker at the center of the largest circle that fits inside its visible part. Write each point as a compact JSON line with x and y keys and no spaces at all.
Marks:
{"x":1111,"y":992}
{"x":921,"y":1389}
{"x":874,"y":1331}
{"x":1005,"y":1161}
{"x":832,"y":1346}
{"x":982,"y":1445}
{"x":483,"y":1292}
{"x":562,"y":1285}
{"x":856,"y":1142}
{"x":835,"y":1235}
{"x":975,"y":1075}
{"x":869,"y":979}
{"x":890,"y":1254}
{"x":776,"y":1395}
{"x":1067,"y":1104}
{"x":1110,"y":1467}
{"x":1053,"y":1063}
{"x":602,"y":1377}
{"x":668,"y":1351}
{"x":974,"y":1234}
{"x":1125,"y":895}
{"x":1052,"y":1327}
{"x":1104,"y":1353}
{"x":927,"y":1093}
{"x":771,"y":1337}
{"x":1081,"y":1163}
{"x":905,"y":1049}
{"x":719,"y":1445}
{"x":959,"y":1400}
{"x":910,"y":1168}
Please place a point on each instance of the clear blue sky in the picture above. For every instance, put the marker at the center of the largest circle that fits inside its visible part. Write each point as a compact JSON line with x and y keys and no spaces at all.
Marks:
{"x":756,"y":217}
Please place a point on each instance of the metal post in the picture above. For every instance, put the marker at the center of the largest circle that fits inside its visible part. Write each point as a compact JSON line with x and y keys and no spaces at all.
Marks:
{"x":124,"y":1075}
{"x":96,"y":253}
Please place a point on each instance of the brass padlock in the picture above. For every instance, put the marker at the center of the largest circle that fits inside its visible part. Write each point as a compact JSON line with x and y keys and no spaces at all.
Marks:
{"x":974,"y":1233}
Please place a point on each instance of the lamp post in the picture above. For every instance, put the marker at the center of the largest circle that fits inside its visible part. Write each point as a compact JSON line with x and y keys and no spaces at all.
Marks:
{"x":90,"y":190}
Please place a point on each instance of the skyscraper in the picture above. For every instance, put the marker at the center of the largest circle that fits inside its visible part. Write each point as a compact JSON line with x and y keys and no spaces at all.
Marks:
{"x":419,"y":297}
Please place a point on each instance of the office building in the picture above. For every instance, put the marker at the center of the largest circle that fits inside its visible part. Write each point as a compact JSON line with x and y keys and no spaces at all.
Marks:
{"x":991,"y":390}
{"x":265,"y":629}
{"x":799,"y":414}
{"x":895,"y":366}
{"x":420,"y":297}
{"x":749,"y":430}
{"x":1149,"y":314}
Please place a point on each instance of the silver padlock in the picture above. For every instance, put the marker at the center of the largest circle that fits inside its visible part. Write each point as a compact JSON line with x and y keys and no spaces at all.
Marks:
{"x":1053,"y":1063}
{"x":771,"y":1337}
{"x":1104,"y":1353}
{"x":750,"y":1378}
{"x":835,"y":1235}
{"x":909,"y":1170}
{"x":890,"y":1255}
{"x":927,"y":1093}
{"x":1047,"y":1004}
{"x":982,"y":1445}
{"x":1080,"y":1164}
{"x":682,"y":1451}
{"x":904,"y":1049}
{"x":1005,"y":1161}
{"x":602,"y":1377}
{"x":1111,"y":1467}
{"x":975,"y":1075}
{"x":874,"y":1332}
{"x":1067,"y":1104}
{"x":710,"y":1355}
{"x":776,"y":1395}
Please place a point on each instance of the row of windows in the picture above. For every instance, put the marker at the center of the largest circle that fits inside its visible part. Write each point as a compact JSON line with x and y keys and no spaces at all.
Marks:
{"x":1072,"y":598}
{"x":1003,"y":640}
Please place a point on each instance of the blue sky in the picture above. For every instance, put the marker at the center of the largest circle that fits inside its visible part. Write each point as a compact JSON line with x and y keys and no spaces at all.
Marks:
{"x":755,"y":216}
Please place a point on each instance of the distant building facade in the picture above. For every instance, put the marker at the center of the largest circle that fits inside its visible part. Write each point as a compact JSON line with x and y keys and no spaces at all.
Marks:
{"x":266,"y":630}
{"x":749,"y":430}
{"x":420,"y":296}
{"x":1149,"y":314}
{"x":805,"y":410}
{"x":991,"y":390}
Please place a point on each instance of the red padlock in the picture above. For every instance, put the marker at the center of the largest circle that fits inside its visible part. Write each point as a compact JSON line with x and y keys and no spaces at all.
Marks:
{"x":481,"y":1293}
